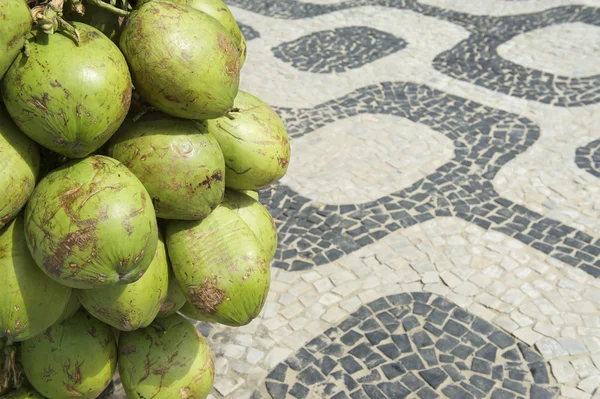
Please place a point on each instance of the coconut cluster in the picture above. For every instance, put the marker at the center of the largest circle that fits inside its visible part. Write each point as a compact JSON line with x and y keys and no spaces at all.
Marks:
{"x":130,"y":163}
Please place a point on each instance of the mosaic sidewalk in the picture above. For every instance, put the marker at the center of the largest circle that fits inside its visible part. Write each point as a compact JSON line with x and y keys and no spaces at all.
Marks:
{"x":439,"y":226}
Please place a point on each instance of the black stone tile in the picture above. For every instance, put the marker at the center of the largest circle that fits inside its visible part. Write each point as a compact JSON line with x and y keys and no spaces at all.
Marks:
{"x":349,"y":323}
{"x":462,"y":316}
{"x":393,"y":370}
{"x":482,"y":326}
{"x":412,"y":382}
{"x":498,"y":372}
{"x":472,"y":390}
{"x":539,"y":373}
{"x":446,"y":343}
{"x":453,"y":372}
{"x":300,"y":360}
{"x":514,"y":386}
{"x":402,"y":342}
{"x":421,"y":309}
{"x":375,"y":337}
{"x":412,"y":362}
{"x":462,"y":351}
{"x":427,"y":393}
{"x":473,"y":339}
{"x":373,"y":393}
{"x":410,"y":323}
{"x":429,"y":355}
{"x":433,"y":329}
{"x":299,"y":391}
{"x":499,"y":393}
{"x":393,"y":390}
{"x":455,"y":392}
{"x":374,"y":360}
{"x":539,"y":392}
{"x":454,"y":328}
{"x":390,"y":350}
{"x":481,"y":366}
{"x":483,"y":384}
{"x":350,"y":338}
{"x":373,"y":376}
{"x":362,"y":351}
{"x":434,"y":377}
{"x":488,"y":352}
{"x":421,"y":340}
{"x":278,"y":373}
{"x":437,"y":317}
{"x":310,"y":376}
{"x":326,"y":364}
{"x":350,"y":365}
{"x":277,"y":390}
{"x":501,"y":339}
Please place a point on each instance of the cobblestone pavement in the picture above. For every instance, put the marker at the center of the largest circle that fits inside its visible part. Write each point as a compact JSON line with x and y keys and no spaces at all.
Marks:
{"x":439,"y":225}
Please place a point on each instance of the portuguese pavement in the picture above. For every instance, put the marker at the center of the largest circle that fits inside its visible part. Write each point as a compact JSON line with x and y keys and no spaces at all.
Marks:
{"x":439,"y":225}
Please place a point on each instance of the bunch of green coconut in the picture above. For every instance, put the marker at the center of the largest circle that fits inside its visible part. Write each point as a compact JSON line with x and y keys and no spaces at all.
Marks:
{"x":130,"y":162}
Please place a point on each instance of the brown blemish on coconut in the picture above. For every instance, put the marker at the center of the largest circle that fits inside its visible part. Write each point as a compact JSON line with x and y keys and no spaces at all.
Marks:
{"x":206,"y":296}
{"x":80,"y":238}
{"x":40,"y":102}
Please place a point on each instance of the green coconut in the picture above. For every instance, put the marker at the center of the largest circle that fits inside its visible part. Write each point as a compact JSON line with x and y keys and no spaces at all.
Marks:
{"x":19,"y":168}
{"x":178,"y":161}
{"x":72,"y":307}
{"x":254,"y":142}
{"x":168,"y":360}
{"x":175,"y":297}
{"x":72,"y":359}
{"x":188,"y":67}
{"x":256,"y":217}
{"x":251,"y":193}
{"x":24,"y":393}
{"x":91,"y":224}
{"x":69,"y":98}
{"x":132,"y":306}
{"x":30,"y":301}
{"x":221,"y":267}
{"x":16,"y":23}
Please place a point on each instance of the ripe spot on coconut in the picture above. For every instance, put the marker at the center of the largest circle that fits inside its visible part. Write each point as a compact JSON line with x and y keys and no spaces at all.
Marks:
{"x":207,"y":296}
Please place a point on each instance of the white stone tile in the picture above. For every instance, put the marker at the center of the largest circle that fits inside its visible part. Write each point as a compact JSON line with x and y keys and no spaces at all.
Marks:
{"x":563,"y":371}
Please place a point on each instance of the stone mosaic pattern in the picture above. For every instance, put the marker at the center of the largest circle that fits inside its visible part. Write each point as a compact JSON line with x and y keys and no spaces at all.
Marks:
{"x":503,"y":225}
{"x":484,"y":139}
{"x":338,"y":50}
{"x":412,"y":343}
{"x":475,"y":59}
{"x":588,"y":158}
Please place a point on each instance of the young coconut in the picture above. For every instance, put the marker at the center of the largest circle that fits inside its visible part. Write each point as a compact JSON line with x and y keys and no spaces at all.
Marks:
{"x":72,"y":359}
{"x":175,"y":297}
{"x":178,"y":161}
{"x":19,"y":168}
{"x":167,"y":360}
{"x":189,"y":68}
{"x":30,"y":302}
{"x":131,"y":306}
{"x":221,"y":267}
{"x":67,"y":97}
{"x":254,"y":142}
{"x":16,"y":23}
{"x":91,"y":224}
{"x":219,"y":11}
{"x":256,"y":217}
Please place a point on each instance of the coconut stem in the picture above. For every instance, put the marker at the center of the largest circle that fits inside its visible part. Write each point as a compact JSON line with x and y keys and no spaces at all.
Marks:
{"x":110,"y":7}
{"x":10,"y":364}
